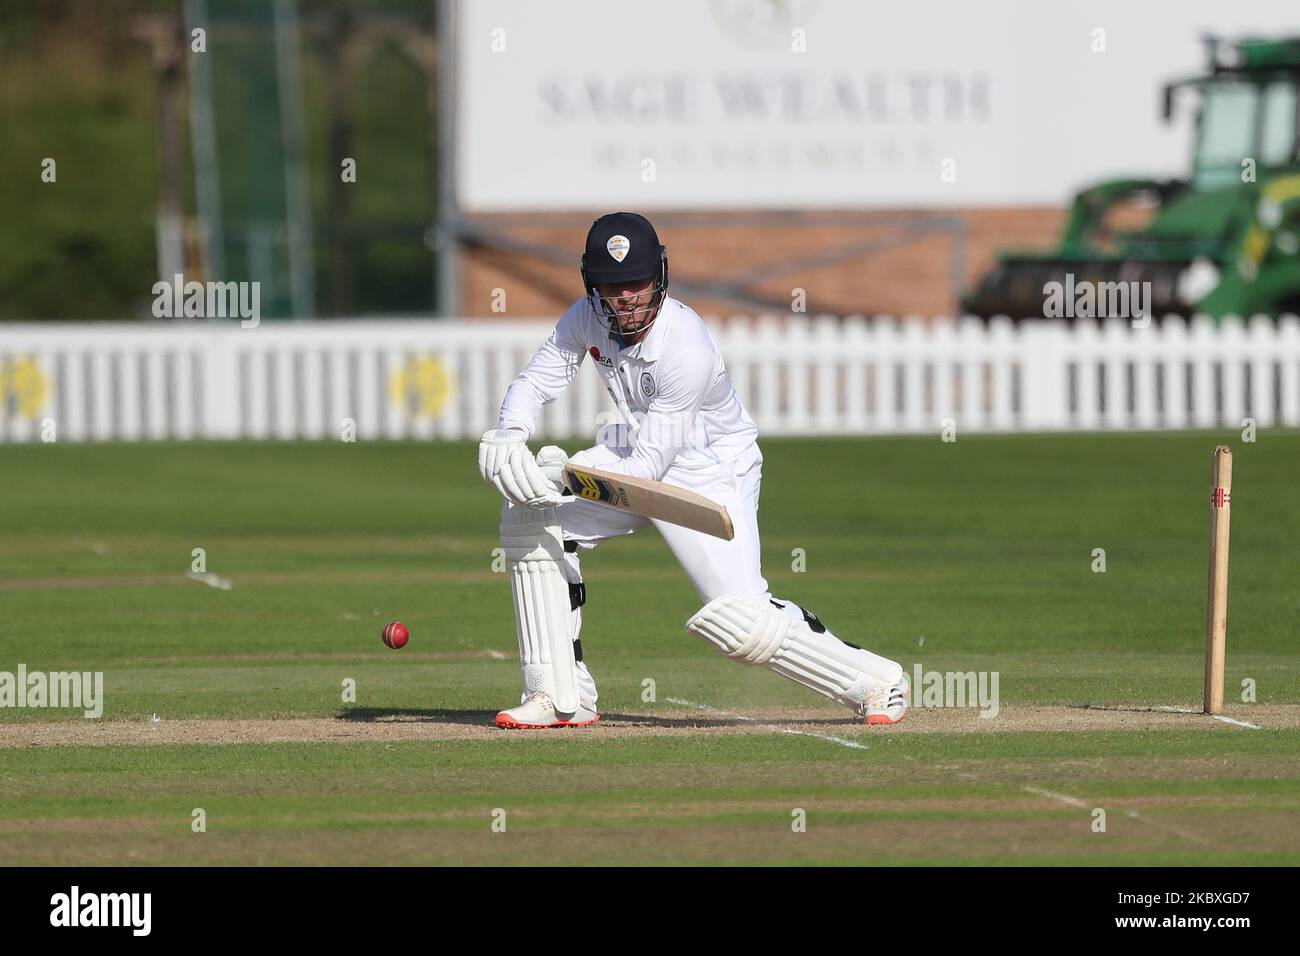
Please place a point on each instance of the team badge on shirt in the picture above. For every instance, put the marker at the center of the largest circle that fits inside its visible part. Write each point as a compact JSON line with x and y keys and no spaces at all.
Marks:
{"x":647,"y":384}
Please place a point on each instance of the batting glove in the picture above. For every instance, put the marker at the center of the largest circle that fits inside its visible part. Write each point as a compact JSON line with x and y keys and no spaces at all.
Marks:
{"x":551,"y":460}
{"x":506,"y":463}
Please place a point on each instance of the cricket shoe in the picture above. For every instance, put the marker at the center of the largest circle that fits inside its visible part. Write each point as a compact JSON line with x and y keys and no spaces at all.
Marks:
{"x":886,"y":705}
{"x":538,"y":712}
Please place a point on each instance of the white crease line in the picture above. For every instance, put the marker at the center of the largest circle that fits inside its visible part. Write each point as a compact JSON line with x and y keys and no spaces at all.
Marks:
{"x":843,"y":742}
{"x":1174,"y":710}
{"x":1072,"y":801}
{"x":1200,"y":713}
{"x":1159,"y":824}
{"x":94,"y":547}
{"x":1237,"y":723}
{"x":211,"y":580}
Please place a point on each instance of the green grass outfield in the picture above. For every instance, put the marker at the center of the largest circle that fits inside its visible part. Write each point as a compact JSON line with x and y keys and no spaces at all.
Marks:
{"x":971,"y":556}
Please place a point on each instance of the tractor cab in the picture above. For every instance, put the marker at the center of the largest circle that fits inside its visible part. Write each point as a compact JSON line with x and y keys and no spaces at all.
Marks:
{"x":1248,"y":111}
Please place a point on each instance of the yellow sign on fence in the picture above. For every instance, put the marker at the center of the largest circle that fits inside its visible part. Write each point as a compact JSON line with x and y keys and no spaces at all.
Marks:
{"x":23,"y":388}
{"x":421,"y":387}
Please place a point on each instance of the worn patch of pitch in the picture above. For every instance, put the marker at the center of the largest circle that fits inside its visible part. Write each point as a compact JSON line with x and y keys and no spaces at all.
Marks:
{"x":387,"y":726}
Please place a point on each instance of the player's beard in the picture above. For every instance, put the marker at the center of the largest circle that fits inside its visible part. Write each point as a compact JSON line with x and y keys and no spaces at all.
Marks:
{"x":641,"y":320}
{"x":646,"y":315}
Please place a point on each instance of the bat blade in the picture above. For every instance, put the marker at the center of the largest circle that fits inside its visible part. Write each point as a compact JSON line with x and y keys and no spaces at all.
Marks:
{"x":651,"y":499}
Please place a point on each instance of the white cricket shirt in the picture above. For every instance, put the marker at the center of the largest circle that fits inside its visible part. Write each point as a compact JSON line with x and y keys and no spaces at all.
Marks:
{"x":671,"y":388}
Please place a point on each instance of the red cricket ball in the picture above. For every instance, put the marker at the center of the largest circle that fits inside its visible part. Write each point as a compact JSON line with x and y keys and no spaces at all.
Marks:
{"x":396,"y":635}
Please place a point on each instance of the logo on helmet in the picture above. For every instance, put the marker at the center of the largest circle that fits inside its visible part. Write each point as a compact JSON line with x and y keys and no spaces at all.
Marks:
{"x":618,"y":247}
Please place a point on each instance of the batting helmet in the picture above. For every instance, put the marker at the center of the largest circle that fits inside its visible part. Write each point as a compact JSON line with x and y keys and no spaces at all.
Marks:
{"x":624,"y":247}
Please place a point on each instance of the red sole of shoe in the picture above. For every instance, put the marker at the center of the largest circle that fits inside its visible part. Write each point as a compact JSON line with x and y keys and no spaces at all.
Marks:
{"x":508,"y":724}
{"x":882,"y":719}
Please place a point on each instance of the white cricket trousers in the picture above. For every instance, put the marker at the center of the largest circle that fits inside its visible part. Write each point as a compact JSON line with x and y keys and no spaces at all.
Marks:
{"x":715,"y":567}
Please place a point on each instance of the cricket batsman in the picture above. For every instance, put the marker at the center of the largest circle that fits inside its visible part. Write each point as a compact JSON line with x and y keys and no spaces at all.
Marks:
{"x":682,"y":423}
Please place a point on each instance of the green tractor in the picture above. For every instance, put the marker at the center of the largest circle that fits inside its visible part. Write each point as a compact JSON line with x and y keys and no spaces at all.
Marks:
{"x":1224,"y":242}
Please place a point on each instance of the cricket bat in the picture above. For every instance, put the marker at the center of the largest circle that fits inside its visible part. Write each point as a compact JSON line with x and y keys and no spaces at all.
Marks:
{"x":652,"y":499}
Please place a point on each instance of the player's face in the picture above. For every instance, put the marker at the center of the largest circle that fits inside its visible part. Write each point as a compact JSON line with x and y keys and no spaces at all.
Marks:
{"x":630,"y":301}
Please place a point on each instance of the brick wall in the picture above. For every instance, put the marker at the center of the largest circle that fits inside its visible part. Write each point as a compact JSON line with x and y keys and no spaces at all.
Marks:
{"x":910,"y":275}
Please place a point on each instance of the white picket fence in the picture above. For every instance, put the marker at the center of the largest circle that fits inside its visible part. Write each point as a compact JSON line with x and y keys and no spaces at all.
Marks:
{"x":445,"y":380}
